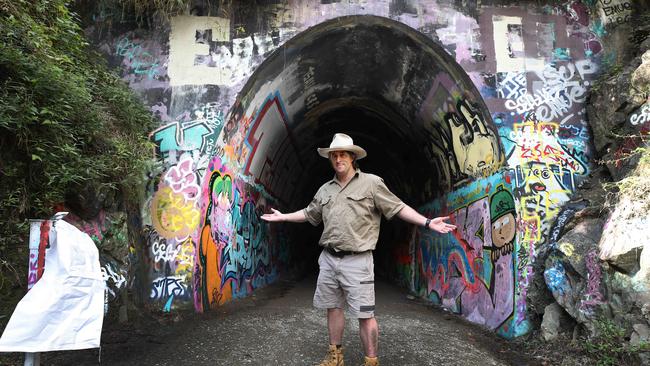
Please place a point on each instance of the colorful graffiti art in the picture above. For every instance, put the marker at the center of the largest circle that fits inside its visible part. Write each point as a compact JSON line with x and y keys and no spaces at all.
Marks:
{"x":473,"y":272}
{"x":236,"y":253}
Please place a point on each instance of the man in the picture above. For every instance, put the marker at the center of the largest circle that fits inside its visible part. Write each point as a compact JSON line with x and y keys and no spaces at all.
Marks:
{"x":350,"y":207}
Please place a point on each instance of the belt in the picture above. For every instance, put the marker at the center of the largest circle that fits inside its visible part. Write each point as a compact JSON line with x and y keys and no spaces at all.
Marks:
{"x":342,"y":253}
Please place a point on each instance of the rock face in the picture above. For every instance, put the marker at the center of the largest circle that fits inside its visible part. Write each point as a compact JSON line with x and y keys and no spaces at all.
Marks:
{"x":599,"y":268}
{"x":573,"y":273}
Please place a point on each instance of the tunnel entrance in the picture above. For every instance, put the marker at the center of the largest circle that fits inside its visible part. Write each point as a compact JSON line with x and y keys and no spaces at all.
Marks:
{"x":396,"y":92}
{"x":427,"y":133}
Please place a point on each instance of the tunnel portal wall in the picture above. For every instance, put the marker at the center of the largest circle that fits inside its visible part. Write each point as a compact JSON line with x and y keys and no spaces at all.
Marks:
{"x":205,"y":242}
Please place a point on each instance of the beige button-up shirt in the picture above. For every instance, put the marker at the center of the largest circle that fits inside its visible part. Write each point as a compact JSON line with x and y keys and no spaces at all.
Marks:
{"x":351,"y":214}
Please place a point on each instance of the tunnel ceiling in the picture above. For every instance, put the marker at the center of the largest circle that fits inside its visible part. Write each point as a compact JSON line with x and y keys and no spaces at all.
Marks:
{"x":396,"y":92}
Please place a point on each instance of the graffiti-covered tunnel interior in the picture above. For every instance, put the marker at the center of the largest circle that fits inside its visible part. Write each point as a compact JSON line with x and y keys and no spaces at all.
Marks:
{"x":427,"y":133}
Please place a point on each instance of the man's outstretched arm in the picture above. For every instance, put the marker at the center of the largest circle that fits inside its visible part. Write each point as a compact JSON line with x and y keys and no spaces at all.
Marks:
{"x":277,"y":216}
{"x":438,"y":224}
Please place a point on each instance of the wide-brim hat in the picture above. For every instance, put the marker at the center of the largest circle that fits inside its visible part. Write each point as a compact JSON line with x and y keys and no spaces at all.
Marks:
{"x":342,"y":142}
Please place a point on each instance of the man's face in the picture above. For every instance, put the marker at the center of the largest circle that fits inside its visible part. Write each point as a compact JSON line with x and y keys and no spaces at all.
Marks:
{"x":341,"y":161}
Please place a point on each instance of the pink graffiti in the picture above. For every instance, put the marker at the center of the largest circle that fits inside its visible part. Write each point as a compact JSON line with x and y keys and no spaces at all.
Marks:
{"x":182,"y":179}
{"x":32,"y":276}
{"x":593,"y":296}
{"x":95,"y":228}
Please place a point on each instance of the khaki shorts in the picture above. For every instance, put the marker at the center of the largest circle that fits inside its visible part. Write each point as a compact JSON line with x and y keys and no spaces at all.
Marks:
{"x":348,"y":280}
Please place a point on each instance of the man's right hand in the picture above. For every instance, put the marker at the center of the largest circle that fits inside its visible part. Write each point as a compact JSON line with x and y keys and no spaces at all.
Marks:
{"x":276,"y":216}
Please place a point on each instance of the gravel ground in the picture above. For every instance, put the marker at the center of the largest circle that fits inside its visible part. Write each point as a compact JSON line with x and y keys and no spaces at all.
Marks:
{"x":278,"y":326}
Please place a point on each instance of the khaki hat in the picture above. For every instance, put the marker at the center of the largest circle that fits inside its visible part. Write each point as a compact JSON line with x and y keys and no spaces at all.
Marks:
{"x":342,"y":142}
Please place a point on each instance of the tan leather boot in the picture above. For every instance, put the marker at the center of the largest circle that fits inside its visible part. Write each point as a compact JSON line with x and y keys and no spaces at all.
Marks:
{"x":334,"y":357}
{"x":371,"y":361}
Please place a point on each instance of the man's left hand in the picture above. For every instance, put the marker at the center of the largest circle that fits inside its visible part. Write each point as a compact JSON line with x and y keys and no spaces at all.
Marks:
{"x":438,"y":224}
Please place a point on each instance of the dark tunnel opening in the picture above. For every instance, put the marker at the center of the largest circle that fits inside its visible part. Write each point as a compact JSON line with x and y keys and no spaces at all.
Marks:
{"x":397,"y":93}
{"x":391,"y":155}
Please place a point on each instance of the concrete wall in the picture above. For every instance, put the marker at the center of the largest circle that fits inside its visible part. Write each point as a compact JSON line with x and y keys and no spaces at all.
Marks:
{"x":224,"y":160}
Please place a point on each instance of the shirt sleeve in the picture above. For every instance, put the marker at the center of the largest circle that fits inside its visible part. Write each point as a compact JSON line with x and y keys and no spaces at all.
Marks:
{"x":314,"y":211}
{"x":387,"y":202}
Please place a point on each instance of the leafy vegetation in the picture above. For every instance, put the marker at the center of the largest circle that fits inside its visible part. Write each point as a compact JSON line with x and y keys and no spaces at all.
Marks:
{"x":610,"y":347}
{"x":66,"y":123}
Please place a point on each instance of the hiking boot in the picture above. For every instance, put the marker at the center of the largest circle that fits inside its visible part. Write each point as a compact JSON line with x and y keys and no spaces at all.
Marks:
{"x":370,"y":361}
{"x":334,"y":357}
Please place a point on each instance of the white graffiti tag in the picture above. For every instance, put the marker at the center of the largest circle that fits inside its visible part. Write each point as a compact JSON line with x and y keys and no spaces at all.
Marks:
{"x":183,"y":180}
{"x":561,"y":89}
{"x":163,"y":287}
{"x":642,"y":117}
{"x":163,"y":251}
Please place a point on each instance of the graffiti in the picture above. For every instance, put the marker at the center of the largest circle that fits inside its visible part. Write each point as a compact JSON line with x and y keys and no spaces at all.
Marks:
{"x":164,"y":287}
{"x":249,"y":256}
{"x":473,"y":273}
{"x":212,"y":290}
{"x":562,"y":88}
{"x":136,"y":58}
{"x":236,"y":253}
{"x":509,"y":45}
{"x":475,"y":144}
{"x":95,"y":228}
{"x":502,"y":215}
{"x":114,"y":277}
{"x":199,"y":133}
{"x":581,"y":28}
{"x":270,"y":149}
{"x":555,"y":278}
{"x":466,"y":142}
{"x":642,"y":116}
{"x":185,"y":257}
{"x":308,"y":80}
{"x":593,"y":296}
{"x":538,"y":143}
{"x":567,"y":213}
{"x":615,"y":11}
{"x":163,"y":251}
{"x":172,"y":215}
{"x":566,"y":248}
{"x":192,"y":38}
{"x":511,"y":85}
{"x":182,"y":179}
{"x":202,"y":52}
{"x":32,"y":274}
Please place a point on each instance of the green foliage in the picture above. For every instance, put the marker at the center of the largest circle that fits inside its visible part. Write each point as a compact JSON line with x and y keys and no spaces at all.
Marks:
{"x":610,"y":347}
{"x":66,"y":121}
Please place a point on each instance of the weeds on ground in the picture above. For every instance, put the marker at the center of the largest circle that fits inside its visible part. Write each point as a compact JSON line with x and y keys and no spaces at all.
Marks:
{"x":610,"y":347}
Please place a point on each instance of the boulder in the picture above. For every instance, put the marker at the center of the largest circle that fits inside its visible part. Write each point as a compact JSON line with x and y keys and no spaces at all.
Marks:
{"x":640,"y":80}
{"x":573,"y":272}
{"x":551,"y":321}
{"x":640,"y":335}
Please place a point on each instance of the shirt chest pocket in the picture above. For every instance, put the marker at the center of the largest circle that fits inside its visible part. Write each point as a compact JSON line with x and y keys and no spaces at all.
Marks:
{"x":359,"y":204}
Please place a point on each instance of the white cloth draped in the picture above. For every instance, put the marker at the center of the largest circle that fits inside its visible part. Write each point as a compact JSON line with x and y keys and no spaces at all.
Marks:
{"x":64,"y":310}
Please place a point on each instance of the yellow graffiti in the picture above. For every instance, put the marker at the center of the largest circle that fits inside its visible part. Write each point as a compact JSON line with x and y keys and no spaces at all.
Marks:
{"x":537,"y":142}
{"x":172,"y":216}
{"x":567,"y":249}
{"x":185,"y":257}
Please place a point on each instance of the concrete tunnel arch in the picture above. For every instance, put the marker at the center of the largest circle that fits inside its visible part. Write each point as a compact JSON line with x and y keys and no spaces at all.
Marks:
{"x":400,"y":95}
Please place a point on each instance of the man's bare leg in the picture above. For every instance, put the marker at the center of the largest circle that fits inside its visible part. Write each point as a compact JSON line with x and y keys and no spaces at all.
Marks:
{"x":369,"y":331}
{"x":335,"y":325}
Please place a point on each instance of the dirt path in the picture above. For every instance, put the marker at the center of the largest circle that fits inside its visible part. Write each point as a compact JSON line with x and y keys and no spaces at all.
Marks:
{"x":278,"y":326}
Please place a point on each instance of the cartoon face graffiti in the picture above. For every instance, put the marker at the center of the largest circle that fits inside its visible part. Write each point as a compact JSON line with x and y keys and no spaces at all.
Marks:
{"x":503,"y":230}
{"x":502,"y":216}
{"x":475,"y":145}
